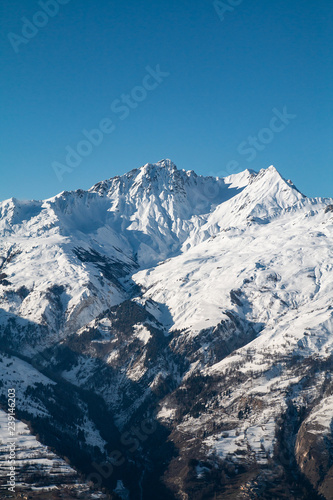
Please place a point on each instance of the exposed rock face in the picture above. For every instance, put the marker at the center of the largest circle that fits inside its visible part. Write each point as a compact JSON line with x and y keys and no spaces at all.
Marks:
{"x":314,"y":448}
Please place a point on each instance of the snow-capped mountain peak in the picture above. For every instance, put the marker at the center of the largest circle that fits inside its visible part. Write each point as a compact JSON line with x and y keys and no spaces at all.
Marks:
{"x":202,"y":302}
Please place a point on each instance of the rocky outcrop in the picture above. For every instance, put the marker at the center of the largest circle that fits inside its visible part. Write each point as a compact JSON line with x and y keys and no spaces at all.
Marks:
{"x":314,"y":449}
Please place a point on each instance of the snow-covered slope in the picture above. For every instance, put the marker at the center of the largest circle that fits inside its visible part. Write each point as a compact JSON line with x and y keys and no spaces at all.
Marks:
{"x":159,"y":206}
{"x":277,"y":263}
{"x":63,"y":260}
{"x":198,"y":302}
{"x":37,"y":468}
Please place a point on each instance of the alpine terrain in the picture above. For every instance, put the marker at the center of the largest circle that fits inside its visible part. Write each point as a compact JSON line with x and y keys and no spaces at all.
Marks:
{"x":169,"y":336}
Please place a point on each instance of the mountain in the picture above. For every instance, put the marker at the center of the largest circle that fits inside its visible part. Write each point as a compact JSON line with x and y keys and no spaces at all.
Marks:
{"x":171,"y":334}
{"x":38,"y":467}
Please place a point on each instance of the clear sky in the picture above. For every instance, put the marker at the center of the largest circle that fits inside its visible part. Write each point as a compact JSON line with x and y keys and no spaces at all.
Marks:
{"x":217,"y":89}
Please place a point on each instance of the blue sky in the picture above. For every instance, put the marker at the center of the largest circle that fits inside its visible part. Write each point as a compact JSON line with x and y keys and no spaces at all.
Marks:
{"x":227,"y":73}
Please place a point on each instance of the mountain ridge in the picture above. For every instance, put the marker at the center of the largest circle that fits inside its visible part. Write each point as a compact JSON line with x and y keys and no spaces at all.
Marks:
{"x":199,"y":303}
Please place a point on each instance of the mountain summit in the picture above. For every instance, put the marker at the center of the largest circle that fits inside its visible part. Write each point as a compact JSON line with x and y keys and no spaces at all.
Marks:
{"x":195,"y":309}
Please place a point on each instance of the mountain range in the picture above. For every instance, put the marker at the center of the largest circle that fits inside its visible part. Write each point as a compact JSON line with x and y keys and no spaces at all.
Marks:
{"x":170,"y":336}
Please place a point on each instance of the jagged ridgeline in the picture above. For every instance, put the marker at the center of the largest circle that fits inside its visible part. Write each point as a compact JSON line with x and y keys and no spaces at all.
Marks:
{"x":170,"y":336}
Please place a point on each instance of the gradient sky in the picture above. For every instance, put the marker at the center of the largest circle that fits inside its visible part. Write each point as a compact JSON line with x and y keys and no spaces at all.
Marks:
{"x":227,"y":72}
